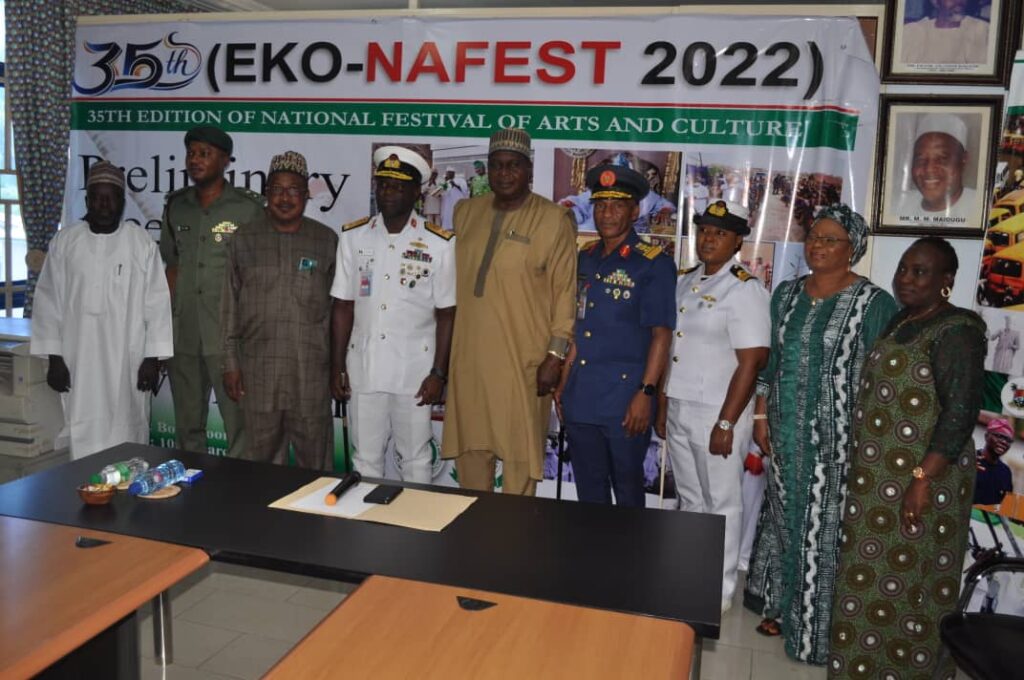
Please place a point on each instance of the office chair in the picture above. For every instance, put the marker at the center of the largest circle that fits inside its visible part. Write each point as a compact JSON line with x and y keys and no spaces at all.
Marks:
{"x":985,"y":645}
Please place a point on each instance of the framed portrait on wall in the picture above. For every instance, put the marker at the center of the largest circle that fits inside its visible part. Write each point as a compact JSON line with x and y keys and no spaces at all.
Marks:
{"x":934,"y":161}
{"x":949,"y":41}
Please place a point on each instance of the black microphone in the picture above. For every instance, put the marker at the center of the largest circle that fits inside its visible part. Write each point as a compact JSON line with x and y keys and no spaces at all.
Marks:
{"x":348,"y":480}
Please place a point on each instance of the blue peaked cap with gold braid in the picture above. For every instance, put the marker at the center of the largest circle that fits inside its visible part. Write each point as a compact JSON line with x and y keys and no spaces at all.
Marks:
{"x":616,"y":181}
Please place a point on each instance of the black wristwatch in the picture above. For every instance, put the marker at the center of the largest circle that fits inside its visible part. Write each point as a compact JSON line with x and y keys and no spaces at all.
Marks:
{"x":438,"y":374}
{"x":647,"y":388}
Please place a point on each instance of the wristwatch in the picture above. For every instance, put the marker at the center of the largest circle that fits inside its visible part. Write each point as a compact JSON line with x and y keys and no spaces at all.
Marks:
{"x":723,"y":424}
{"x":647,"y":388}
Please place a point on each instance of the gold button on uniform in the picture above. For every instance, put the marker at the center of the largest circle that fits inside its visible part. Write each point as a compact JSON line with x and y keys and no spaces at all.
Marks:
{"x":387,"y":277}
{"x":624,"y":376}
{"x":590,"y":304}
{"x":679,"y":334}
{"x":383,"y":307}
{"x":695,"y":289}
{"x":675,"y":360}
{"x":583,"y":362}
{"x":586,"y":334}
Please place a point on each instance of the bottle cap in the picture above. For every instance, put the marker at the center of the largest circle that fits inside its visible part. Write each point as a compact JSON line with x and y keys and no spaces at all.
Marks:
{"x":96,"y":479}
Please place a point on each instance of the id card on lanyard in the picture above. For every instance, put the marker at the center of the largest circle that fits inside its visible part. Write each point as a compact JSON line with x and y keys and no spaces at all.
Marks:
{"x":581,"y":302}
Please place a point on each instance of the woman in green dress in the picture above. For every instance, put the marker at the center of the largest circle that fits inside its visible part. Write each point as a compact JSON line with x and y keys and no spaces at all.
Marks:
{"x":823,"y":326}
{"x":911,"y":478}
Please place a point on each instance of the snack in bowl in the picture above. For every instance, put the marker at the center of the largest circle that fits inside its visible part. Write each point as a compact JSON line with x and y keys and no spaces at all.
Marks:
{"x":97,"y":494}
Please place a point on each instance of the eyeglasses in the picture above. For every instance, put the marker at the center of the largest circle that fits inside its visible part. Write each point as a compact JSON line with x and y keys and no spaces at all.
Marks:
{"x":290,"y":192}
{"x":827,"y":241}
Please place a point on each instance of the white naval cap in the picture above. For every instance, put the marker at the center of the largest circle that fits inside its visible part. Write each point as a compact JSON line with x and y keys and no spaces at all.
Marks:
{"x":945,"y":123}
{"x":398,"y":162}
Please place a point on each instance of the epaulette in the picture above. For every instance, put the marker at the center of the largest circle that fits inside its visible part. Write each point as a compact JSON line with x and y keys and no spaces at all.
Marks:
{"x":438,"y":230}
{"x":589,"y":245}
{"x":174,"y":194}
{"x":648,"y":250}
{"x":356,"y":224}
{"x":252,"y":195}
{"x":687,"y":270}
{"x":741,"y":273}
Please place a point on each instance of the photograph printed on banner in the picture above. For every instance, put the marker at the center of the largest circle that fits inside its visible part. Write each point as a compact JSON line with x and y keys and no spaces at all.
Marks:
{"x":1005,"y":219}
{"x":949,"y":41}
{"x":458,"y":171}
{"x":938,"y":160}
{"x":1005,"y":346}
{"x":781,"y":205}
{"x":661,"y":168}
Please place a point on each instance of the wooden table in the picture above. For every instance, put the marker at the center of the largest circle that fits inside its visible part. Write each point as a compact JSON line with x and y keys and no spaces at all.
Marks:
{"x":57,"y":597}
{"x":391,"y":628}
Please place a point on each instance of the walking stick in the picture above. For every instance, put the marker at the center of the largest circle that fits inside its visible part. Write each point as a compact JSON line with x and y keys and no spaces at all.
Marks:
{"x":341,"y":411}
{"x":661,"y":489}
{"x":561,"y":455}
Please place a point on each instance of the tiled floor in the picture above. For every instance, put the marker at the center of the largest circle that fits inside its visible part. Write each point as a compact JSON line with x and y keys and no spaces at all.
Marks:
{"x":236,"y":622}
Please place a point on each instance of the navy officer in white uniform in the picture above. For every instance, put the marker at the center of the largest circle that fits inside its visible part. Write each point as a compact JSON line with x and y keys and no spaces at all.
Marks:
{"x":721,"y":341}
{"x":620,"y":347}
{"x":392,"y":320}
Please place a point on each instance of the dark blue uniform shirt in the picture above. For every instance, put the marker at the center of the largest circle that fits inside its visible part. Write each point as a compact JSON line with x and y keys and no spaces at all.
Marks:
{"x":620,"y":298}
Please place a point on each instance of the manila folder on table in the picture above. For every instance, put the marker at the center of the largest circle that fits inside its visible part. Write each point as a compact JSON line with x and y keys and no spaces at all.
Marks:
{"x":413,"y":508}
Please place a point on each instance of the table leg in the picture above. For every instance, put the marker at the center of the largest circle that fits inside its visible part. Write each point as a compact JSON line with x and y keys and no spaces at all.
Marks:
{"x":163,"y":639}
{"x":698,"y":647}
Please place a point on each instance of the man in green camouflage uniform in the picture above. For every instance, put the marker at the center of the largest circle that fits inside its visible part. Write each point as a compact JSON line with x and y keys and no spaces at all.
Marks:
{"x":198,"y":223}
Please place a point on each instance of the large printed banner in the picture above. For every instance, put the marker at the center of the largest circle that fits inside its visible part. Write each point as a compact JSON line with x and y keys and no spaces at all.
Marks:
{"x":776,"y":113}
{"x":1000,"y":297}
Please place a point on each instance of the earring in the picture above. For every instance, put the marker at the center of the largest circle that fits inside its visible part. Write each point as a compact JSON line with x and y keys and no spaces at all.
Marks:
{"x":946,"y":292}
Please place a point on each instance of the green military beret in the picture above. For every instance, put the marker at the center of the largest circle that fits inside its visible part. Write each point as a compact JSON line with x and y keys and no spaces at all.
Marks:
{"x":213,"y":136}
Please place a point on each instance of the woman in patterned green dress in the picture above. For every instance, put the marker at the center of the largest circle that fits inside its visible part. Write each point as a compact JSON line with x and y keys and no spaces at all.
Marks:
{"x":823,"y":326}
{"x":911,"y":477}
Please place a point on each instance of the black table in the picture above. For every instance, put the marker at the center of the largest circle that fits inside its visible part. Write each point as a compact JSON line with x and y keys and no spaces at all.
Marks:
{"x":637,"y":561}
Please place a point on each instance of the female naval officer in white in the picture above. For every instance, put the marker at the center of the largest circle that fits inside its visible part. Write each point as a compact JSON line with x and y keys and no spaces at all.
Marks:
{"x":723,"y":325}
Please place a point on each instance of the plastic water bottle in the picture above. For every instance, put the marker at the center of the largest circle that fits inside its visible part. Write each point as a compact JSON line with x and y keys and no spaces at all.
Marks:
{"x":162,"y":475}
{"x":118,"y":473}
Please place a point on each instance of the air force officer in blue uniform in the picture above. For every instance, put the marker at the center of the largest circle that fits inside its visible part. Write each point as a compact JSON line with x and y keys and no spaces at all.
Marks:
{"x":624,"y":321}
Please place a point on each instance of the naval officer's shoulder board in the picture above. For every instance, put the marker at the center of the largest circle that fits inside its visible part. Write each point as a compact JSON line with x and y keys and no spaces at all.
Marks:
{"x":439,"y":231}
{"x":742,"y":274}
{"x":355,"y":225}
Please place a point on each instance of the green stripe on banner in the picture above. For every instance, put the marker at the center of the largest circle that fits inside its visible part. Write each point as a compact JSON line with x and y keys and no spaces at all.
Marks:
{"x":765,"y":126}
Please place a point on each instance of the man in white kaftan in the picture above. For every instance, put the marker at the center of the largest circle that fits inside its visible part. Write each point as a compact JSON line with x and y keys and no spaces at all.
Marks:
{"x":102,"y":313}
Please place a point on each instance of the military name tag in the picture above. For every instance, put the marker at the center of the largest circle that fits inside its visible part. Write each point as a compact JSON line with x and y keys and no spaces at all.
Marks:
{"x":184,"y":227}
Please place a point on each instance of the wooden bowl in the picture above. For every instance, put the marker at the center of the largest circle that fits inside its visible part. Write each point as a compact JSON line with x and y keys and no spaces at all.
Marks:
{"x":97,"y":494}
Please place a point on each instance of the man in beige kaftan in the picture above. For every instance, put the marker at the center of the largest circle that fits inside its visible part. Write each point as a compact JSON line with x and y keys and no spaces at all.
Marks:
{"x":515,"y":256}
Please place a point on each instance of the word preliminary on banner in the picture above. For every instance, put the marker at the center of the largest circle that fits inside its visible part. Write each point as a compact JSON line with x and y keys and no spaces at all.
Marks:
{"x":159,"y":176}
